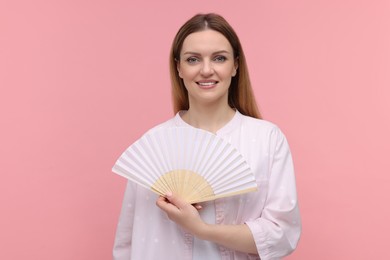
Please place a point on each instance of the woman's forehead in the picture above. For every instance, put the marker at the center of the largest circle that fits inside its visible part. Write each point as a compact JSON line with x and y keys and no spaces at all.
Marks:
{"x":209,"y":41}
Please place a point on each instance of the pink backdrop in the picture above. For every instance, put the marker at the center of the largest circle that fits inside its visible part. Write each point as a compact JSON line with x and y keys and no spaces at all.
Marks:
{"x":81,"y":80}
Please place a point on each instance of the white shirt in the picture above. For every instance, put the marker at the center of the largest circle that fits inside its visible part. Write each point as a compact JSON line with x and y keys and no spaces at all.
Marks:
{"x":271,"y":213}
{"x":204,"y":249}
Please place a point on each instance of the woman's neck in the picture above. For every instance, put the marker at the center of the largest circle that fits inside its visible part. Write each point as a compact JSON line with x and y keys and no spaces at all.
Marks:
{"x":209,"y":118}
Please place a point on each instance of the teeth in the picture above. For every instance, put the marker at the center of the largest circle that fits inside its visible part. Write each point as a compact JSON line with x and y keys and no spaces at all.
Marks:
{"x":206,"y":83}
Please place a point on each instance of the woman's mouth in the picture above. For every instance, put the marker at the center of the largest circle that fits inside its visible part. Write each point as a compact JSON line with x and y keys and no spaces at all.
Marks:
{"x":207,"y":84}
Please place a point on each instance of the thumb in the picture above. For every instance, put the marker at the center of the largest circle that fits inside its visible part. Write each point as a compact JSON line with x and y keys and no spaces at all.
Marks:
{"x":175,"y":200}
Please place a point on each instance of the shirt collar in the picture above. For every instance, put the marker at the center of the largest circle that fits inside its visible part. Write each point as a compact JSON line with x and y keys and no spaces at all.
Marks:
{"x":230,"y":126}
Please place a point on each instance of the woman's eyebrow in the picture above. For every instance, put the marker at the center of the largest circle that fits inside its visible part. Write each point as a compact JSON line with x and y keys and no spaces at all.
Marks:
{"x":214,"y":53}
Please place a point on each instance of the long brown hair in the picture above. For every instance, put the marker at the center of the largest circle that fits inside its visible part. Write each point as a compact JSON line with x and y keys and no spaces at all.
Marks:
{"x":240,"y":95}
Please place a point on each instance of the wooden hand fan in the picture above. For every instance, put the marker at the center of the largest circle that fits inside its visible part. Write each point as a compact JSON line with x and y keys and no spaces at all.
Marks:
{"x":192,"y":163}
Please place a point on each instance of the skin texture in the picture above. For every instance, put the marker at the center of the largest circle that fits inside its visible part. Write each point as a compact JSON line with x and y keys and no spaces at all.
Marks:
{"x":206,"y":67}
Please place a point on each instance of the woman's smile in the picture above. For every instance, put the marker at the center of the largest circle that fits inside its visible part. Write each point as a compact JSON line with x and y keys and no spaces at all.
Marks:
{"x":207,"y":84}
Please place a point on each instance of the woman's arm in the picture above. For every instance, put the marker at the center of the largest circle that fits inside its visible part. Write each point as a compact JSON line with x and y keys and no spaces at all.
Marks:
{"x":278,"y":230}
{"x":236,"y":237}
{"x":122,"y":243}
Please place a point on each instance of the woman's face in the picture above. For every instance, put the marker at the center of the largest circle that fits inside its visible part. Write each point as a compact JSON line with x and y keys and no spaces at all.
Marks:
{"x":207,"y":66}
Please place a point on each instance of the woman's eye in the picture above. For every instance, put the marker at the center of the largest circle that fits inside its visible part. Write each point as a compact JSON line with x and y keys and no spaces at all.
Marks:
{"x":192,"y":60}
{"x":220,"y":58}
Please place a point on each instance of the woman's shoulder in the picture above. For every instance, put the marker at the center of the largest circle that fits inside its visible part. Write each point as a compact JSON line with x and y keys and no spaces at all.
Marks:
{"x":261,"y":127}
{"x":258,"y":124}
{"x":171,"y":122}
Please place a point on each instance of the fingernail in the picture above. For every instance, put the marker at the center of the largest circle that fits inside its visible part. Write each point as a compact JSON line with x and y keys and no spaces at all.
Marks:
{"x":168,"y":194}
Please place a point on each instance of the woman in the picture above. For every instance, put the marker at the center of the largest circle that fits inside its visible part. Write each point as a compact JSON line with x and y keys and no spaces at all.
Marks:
{"x":211,"y":91}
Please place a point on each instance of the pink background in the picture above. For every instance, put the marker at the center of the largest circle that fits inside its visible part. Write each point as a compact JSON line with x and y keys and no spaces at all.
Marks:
{"x":81,"y":80}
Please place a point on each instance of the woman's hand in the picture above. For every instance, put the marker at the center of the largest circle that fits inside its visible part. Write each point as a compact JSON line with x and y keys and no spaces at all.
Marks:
{"x":236,"y":237}
{"x":184,"y":214}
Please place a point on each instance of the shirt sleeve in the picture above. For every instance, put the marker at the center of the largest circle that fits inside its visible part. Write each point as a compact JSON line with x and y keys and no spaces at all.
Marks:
{"x":123,"y":237}
{"x":277,"y":231}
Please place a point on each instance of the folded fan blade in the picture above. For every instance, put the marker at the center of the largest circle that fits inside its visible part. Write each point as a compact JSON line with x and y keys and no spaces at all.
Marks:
{"x":195,"y":164}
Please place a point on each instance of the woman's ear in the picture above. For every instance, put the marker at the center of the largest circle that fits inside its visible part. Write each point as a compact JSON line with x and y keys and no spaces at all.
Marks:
{"x":235,"y":67}
{"x":234,"y":71}
{"x":178,"y":67}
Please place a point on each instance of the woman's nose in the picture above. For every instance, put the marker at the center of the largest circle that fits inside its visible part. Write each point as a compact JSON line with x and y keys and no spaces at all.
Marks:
{"x":207,"y":68}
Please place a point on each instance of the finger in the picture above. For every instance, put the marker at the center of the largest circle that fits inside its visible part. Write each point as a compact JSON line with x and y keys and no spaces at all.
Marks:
{"x":161,"y":199}
{"x":167,"y":207}
{"x":163,"y":203}
{"x":197,"y":206}
{"x":175,"y":200}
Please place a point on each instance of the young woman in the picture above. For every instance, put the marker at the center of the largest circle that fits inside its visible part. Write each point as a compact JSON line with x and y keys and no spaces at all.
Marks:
{"x":211,"y":91}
